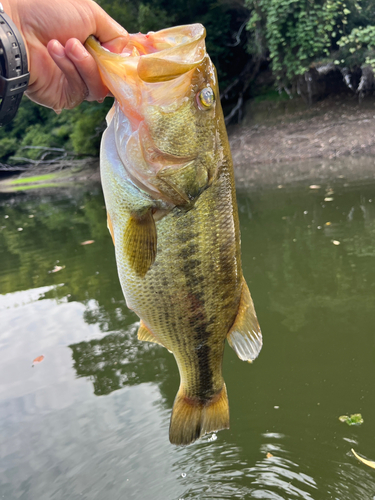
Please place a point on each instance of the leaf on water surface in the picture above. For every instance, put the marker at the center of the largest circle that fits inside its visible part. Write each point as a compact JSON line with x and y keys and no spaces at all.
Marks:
{"x":355,"y":419}
{"x":37,"y":360}
{"x":56,"y":269}
{"x":336,"y":242}
{"x":370,"y":463}
{"x":88,"y":242}
{"x":314,"y":186}
{"x":269,"y":455}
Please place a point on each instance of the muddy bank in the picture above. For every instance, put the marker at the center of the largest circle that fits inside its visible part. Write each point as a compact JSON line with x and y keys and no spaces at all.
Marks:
{"x":287,"y":142}
{"x":278,"y":143}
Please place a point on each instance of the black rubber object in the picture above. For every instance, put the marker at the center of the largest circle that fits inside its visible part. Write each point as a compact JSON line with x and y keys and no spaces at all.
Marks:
{"x":14,"y":75}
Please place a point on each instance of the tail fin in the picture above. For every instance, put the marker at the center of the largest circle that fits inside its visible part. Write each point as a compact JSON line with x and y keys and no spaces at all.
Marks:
{"x":191,"y":420}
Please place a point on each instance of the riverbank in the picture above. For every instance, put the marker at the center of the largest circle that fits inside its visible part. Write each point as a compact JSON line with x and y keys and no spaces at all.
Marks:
{"x":286,"y":142}
{"x":278,"y":143}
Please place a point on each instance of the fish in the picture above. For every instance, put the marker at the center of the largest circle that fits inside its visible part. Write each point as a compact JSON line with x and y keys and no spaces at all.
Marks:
{"x":168,"y":183}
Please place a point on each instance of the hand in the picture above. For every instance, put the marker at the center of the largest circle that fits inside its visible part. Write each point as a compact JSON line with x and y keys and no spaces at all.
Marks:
{"x":62,"y":72}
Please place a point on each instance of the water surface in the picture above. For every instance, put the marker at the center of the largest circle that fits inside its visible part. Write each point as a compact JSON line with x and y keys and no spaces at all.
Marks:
{"x":91,"y":420}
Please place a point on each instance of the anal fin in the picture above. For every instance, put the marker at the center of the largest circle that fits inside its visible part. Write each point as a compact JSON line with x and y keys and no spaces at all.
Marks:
{"x":245,"y":336}
{"x":140,"y":241}
{"x":146,"y":335}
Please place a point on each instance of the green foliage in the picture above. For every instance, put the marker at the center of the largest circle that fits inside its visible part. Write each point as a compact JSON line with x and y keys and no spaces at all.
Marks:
{"x":294,"y":32}
{"x":33,"y":126}
{"x":153,"y":18}
{"x":88,"y":124}
{"x":360,"y":43}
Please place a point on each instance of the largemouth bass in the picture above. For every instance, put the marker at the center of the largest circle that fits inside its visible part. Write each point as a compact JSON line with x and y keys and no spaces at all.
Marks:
{"x":168,"y":184}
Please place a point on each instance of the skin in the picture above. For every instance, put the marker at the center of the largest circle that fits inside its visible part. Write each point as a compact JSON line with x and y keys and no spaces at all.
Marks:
{"x":62,"y":72}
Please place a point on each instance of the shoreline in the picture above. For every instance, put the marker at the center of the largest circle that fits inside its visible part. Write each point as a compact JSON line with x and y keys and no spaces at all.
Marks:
{"x":288,"y":142}
{"x":278,"y":143}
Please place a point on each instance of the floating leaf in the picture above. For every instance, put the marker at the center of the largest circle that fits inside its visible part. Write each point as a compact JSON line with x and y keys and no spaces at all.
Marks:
{"x":355,"y":419}
{"x":88,"y":242}
{"x":269,"y":455}
{"x":56,"y":269}
{"x":314,"y":186}
{"x":328,"y":198}
{"x":37,"y":360}
{"x":335,"y":242}
{"x":370,"y":463}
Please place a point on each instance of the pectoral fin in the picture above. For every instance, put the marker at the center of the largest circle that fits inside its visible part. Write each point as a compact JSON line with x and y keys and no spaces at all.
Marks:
{"x":245,"y":337}
{"x":147,"y":336}
{"x":140,"y":242}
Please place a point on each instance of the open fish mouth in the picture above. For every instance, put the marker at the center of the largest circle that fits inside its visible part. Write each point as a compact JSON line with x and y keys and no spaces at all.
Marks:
{"x":152,"y":58}
{"x":163,"y":118}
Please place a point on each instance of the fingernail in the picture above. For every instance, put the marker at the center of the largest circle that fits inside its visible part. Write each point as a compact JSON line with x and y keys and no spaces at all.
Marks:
{"x":78,"y":51}
{"x":58,"y":49}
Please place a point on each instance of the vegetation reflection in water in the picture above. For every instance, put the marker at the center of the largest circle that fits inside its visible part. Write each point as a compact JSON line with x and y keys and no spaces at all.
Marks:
{"x":310,"y":267}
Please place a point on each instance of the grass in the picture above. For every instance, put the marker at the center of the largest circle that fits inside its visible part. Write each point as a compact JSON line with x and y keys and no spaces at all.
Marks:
{"x":271,"y":95}
{"x":30,"y":180}
{"x":33,"y":186}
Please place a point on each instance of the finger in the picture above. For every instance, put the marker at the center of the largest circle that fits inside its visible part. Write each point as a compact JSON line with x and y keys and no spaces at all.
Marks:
{"x":111,"y":34}
{"x":116,"y":45}
{"x":87,"y":69}
{"x":74,"y":90}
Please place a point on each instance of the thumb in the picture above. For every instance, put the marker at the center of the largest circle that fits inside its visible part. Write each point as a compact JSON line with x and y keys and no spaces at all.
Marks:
{"x":111,"y":34}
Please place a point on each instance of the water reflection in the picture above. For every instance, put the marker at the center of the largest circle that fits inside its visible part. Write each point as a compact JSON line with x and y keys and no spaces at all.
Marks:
{"x":315,"y":300}
{"x":118,"y":359}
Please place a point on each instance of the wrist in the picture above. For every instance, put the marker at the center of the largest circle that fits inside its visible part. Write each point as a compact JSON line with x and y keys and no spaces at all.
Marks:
{"x":10,"y":8}
{"x":14,"y":76}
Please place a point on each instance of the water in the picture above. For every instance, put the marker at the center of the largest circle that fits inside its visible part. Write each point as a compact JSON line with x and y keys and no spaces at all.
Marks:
{"x":91,"y":420}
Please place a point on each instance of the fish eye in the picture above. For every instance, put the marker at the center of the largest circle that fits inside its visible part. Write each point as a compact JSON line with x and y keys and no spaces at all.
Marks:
{"x":206,"y":98}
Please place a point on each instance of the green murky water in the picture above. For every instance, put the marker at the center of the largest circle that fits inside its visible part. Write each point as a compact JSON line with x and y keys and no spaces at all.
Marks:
{"x":91,"y":420}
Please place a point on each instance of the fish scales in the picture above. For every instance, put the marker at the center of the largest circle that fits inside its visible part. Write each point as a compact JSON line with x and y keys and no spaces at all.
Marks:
{"x":168,"y":183}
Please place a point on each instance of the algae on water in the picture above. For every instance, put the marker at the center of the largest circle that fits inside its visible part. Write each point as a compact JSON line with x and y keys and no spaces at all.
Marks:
{"x":355,"y":419}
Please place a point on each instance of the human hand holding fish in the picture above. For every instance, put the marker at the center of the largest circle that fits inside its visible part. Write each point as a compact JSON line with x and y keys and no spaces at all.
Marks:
{"x":62,"y":72}
{"x":168,"y":183}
